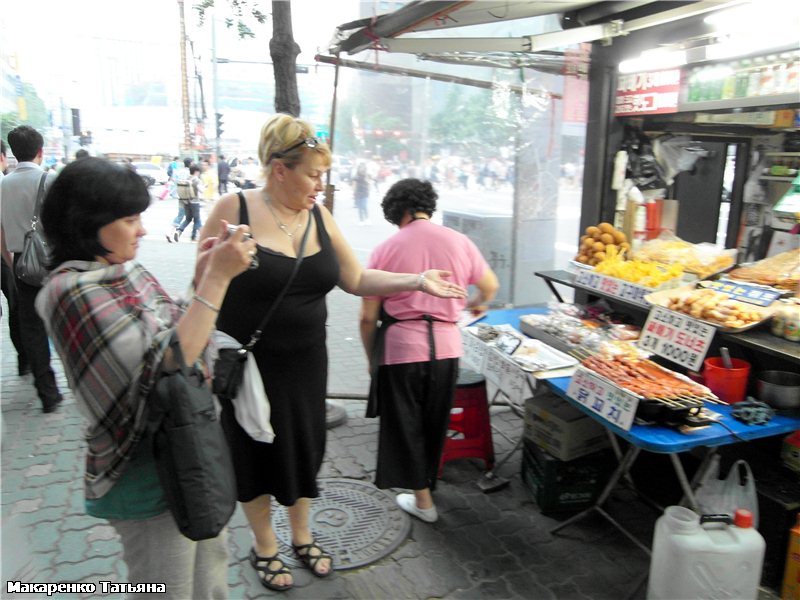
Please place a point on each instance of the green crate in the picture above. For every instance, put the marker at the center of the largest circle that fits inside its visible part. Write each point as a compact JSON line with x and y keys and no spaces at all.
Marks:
{"x":558,"y":485}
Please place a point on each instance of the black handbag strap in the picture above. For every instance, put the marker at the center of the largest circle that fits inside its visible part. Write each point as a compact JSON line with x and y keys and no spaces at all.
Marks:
{"x":256,"y":335}
{"x":39,"y":197}
{"x":157,"y":409}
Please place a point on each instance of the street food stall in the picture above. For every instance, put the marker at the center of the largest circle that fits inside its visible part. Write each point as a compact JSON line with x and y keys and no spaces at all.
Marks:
{"x":692,"y":150}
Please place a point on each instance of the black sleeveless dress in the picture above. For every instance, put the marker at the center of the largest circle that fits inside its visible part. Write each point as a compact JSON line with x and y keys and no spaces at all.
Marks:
{"x":293,"y":360}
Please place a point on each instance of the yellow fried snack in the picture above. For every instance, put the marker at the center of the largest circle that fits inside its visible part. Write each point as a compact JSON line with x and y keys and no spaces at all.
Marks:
{"x":639,"y":272}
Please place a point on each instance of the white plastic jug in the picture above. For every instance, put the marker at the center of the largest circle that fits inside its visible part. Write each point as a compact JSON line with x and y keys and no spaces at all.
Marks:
{"x":712,"y":560}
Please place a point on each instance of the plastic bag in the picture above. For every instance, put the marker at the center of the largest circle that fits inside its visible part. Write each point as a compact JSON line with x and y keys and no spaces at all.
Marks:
{"x":739,"y":491}
{"x":702,"y":259}
{"x":708,"y":492}
{"x":723,"y":496}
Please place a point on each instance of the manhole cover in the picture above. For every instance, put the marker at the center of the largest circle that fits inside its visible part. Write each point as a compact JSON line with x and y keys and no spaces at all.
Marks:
{"x":353,"y":520}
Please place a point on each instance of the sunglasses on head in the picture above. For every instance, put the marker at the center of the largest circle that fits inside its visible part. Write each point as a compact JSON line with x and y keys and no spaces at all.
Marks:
{"x":309,"y":142}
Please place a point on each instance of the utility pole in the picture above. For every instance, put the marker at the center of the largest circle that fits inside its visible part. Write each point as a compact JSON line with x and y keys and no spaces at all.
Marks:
{"x":187,"y":136}
{"x":214,"y":86}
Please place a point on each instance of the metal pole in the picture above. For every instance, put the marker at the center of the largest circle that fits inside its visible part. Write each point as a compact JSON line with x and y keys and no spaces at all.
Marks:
{"x":517,"y":210}
{"x":423,"y":146}
{"x":187,"y":137}
{"x":329,"y":188}
{"x":214,"y":86}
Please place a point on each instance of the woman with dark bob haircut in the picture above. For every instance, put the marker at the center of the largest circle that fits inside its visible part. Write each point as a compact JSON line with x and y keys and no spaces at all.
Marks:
{"x":111,"y":323}
{"x":80,"y":206}
{"x":409,"y":196}
{"x":414,"y":354}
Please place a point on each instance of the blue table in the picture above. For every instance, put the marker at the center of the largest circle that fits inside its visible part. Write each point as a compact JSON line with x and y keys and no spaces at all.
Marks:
{"x":655,"y":438}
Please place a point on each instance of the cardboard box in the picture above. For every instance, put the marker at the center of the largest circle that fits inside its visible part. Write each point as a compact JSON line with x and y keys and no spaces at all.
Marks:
{"x":561,"y":429}
{"x":556,"y":485}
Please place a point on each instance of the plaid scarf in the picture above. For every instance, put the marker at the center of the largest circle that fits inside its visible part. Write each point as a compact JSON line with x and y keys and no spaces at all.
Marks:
{"x":110,"y":324}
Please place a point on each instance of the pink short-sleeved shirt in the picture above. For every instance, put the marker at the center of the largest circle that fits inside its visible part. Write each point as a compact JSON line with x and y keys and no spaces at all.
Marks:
{"x":418,"y":246}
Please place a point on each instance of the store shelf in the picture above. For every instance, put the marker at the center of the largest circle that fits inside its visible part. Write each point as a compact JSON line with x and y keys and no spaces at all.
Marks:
{"x":568,"y":279}
{"x":765,"y":102}
{"x":759,"y":339}
{"x":783,"y":178}
{"x":763,"y":341}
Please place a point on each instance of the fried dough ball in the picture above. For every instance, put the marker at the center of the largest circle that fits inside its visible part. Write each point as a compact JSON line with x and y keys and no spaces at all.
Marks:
{"x":605,"y":227}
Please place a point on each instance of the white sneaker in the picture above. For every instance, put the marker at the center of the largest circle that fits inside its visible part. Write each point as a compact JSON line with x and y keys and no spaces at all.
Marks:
{"x":409,"y":504}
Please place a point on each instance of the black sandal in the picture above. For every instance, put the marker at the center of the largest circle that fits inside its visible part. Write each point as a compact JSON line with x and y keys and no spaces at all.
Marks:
{"x":303,"y":552}
{"x":265,"y":574}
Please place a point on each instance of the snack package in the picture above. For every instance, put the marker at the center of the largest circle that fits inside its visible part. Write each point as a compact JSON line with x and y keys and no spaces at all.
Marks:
{"x":780,"y":271}
{"x":701,"y":259}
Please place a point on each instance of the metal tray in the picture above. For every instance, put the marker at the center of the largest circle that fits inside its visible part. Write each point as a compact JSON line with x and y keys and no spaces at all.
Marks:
{"x":542,"y":358}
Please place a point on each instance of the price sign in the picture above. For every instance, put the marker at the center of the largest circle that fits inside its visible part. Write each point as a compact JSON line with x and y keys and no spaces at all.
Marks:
{"x":588,"y":279}
{"x":493,"y":367}
{"x":507,"y":376}
{"x":610,"y":286}
{"x":746,"y":293}
{"x":676,"y":337}
{"x":606,"y":400}
{"x":514,"y":381}
{"x":474,"y":351}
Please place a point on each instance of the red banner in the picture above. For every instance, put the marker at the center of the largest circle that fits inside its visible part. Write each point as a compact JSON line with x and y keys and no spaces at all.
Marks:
{"x":648,"y":93}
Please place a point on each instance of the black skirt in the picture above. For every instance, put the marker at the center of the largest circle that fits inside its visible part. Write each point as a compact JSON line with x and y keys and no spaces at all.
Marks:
{"x":414,"y":416}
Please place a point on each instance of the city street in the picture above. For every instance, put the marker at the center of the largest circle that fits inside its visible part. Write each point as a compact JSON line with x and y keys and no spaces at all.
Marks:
{"x":364,"y":238}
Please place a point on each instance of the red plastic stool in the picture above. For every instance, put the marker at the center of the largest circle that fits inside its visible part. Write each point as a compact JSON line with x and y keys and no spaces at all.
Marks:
{"x":470,"y":418}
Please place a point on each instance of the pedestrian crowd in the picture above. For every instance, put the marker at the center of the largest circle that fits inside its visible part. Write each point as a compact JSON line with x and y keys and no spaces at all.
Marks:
{"x":267,"y":256}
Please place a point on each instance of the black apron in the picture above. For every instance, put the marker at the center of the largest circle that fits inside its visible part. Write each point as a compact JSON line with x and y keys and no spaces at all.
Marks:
{"x":378,"y":346}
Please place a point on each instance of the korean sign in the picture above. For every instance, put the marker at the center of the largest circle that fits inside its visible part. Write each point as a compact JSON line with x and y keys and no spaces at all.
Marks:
{"x":676,"y":337}
{"x":746,"y":293}
{"x":611,"y":403}
{"x":648,"y":93}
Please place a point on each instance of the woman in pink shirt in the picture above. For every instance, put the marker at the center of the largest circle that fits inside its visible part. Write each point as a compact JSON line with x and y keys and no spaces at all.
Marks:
{"x":414,"y":354}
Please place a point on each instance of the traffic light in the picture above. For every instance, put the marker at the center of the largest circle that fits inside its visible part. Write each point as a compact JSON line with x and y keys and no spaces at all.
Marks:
{"x":219,"y":125}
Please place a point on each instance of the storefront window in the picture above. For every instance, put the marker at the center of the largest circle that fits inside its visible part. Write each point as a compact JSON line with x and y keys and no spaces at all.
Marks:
{"x":505,"y":155}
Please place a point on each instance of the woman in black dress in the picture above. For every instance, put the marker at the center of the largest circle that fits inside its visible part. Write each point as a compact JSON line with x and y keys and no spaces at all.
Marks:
{"x":291,"y":354}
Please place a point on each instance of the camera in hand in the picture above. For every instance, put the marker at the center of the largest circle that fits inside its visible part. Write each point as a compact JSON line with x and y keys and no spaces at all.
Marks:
{"x":253,"y":261}
{"x":232,"y":229}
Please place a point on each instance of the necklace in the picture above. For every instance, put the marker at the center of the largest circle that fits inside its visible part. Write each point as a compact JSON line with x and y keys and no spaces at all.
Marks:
{"x":283,"y":227}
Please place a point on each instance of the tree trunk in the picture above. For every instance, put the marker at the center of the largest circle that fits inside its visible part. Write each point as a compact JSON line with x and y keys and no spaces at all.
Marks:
{"x":284,"y":50}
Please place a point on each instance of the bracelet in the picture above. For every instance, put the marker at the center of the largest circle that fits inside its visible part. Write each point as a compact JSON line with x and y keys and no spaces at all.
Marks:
{"x":421,"y":281}
{"x":206,"y":303}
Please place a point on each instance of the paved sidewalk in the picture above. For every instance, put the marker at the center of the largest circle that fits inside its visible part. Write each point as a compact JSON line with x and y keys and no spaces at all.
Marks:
{"x":484,"y":546}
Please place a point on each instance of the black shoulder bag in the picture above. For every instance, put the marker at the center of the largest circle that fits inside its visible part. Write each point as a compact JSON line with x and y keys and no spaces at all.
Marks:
{"x":32,"y":264}
{"x":192,"y":456}
{"x":229,"y":366}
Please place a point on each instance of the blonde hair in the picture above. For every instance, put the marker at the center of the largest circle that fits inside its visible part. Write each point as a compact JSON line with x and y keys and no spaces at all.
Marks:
{"x":283,"y":131}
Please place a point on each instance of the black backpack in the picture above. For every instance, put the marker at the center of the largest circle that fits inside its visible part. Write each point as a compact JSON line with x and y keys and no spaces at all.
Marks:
{"x":192,"y":456}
